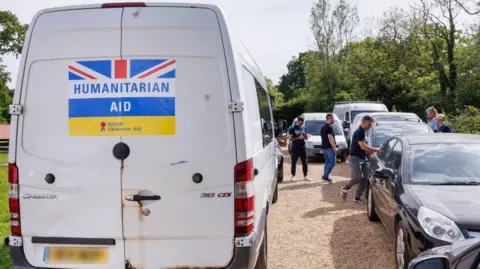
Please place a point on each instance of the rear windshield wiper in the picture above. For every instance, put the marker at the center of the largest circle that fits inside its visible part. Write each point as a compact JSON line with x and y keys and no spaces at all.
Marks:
{"x":457,"y":183}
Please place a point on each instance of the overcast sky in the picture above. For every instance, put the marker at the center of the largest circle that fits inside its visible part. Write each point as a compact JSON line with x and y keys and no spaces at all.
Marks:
{"x":273,"y":30}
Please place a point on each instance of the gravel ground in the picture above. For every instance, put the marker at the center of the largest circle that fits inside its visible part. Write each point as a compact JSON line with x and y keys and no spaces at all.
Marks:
{"x":310,"y":227}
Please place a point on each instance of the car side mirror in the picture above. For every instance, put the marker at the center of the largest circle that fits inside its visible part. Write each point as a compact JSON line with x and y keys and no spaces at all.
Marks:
{"x":384,"y":173}
{"x":429,"y":263}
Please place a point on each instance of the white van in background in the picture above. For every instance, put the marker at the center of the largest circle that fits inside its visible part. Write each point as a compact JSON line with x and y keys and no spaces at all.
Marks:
{"x":313,"y":123}
{"x":347,"y":111}
{"x":119,"y":159}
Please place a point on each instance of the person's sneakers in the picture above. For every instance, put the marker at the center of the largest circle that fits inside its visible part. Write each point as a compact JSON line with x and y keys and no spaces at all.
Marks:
{"x":306,"y":178}
{"x":292,"y":179}
{"x":359,"y":201}
{"x":328,"y":181}
{"x":344,"y":193}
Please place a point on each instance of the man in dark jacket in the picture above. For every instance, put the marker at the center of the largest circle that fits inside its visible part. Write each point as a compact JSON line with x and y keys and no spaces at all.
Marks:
{"x":298,"y":135}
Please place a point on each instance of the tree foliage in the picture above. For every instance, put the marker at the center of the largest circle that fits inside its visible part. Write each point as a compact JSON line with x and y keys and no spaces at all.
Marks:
{"x":418,"y":58}
{"x":12,"y":35}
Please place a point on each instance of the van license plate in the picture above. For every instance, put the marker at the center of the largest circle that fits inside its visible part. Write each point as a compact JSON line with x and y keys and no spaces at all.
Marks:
{"x":75,"y":255}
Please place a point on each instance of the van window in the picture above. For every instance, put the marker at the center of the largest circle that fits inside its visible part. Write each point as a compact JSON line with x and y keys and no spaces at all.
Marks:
{"x":264,"y":110}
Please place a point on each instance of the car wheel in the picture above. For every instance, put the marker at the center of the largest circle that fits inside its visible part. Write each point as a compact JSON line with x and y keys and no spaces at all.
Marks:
{"x":280,"y":173}
{"x":262,"y":260}
{"x":275,"y":195}
{"x":343,"y":159}
{"x":401,"y":258}
{"x":372,"y":215}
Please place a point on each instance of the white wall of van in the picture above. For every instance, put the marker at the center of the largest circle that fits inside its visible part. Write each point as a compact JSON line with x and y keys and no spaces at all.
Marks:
{"x":75,"y":60}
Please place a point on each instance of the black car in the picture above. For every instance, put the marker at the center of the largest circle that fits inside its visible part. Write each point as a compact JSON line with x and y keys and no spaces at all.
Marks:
{"x":426,"y":191}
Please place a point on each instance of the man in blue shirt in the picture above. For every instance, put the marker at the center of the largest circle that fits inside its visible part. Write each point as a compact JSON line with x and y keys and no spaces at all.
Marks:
{"x":431,"y":114}
{"x":298,"y":135}
{"x":359,"y":162}
{"x":442,"y":127}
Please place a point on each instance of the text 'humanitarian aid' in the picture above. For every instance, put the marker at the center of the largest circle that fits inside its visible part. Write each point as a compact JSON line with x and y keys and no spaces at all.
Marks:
{"x":121,"y":97}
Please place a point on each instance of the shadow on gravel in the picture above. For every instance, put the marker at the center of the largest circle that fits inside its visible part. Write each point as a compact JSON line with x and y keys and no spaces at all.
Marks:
{"x":331,"y":194}
{"x":358,"y":244}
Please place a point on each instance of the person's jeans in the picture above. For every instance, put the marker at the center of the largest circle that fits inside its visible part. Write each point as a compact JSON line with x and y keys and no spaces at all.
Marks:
{"x":360,"y":174}
{"x":302,"y":154}
{"x":330,"y":161}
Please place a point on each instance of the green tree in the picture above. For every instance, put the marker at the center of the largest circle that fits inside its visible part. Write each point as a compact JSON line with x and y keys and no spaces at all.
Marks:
{"x":12,"y":35}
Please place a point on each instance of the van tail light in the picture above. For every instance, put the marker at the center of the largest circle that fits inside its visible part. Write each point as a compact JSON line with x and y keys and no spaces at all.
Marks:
{"x":13,"y":200}
{"x":244,"y":198}
{"x":126,"y":4}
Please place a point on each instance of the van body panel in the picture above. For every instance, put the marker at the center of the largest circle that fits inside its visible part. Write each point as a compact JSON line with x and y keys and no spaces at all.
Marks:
{"x":184,"y":221}
{"x":196,"y":135}
{"x":83,"y":166}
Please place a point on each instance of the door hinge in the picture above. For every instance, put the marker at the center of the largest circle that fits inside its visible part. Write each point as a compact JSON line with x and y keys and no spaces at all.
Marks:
{"x":235,"y":107}
{"x":16,"y":109}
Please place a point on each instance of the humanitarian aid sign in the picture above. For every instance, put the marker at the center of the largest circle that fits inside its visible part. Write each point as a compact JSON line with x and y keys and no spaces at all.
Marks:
{"x":121,"y":97}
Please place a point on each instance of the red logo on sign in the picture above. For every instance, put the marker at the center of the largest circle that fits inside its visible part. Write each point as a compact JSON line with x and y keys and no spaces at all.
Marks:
{"x":102,"y":126}
{"x":225,"y":194}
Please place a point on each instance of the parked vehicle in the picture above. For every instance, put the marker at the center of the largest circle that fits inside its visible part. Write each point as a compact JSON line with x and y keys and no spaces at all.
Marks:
{"x":463,"y":254}
{"x":425,"y":190}
{"x":384,"y":116}
{"x":313,"y":123}
{"x":381,"y":131}
{"x":348,"y":111}
{"x":106,"y":168}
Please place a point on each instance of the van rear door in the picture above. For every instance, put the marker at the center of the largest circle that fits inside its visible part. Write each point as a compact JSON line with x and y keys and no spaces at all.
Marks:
{"x":181,"y":140}
{"x":77,"y":217}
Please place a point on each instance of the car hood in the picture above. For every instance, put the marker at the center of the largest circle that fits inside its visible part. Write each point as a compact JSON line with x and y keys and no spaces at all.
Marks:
{"x":459,"y":203}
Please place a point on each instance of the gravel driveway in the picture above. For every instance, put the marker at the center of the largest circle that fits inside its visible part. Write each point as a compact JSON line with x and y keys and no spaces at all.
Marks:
{"x":310,"y":227}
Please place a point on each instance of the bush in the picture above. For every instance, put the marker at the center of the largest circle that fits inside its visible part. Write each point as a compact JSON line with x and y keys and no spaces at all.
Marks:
{"x":468,"y":121}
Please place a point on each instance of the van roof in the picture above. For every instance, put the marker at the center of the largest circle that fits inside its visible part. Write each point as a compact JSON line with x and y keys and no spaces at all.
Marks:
{"x":236,"y":43}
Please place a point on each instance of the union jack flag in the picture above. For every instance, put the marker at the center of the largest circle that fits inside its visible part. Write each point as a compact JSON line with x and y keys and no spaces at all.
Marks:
{"x":122,"y":69}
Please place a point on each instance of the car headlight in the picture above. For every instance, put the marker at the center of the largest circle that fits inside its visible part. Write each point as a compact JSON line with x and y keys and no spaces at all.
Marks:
{"x":309,"y":144}
{"x":342,"y":145}
{"x":438,"y":226}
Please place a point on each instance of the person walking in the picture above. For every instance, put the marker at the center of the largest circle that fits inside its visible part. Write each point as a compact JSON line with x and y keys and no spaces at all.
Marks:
{"x":359,"y":162}
{"x":329,"y":148}
{"x":431,"y":114}
{"x":442,"y":127}
{"x":298,"y":135}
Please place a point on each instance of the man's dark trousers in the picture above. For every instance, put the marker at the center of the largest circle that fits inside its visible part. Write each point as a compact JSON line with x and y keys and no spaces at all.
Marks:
{"x":302,"y":154}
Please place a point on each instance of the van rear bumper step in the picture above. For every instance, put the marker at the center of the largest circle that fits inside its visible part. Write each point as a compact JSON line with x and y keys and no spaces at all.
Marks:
{"x":73,"y":241}
{"x":243,"y":256}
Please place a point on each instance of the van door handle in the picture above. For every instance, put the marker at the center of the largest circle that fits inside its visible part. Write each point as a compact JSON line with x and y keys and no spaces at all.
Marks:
{"x":139,"y":198}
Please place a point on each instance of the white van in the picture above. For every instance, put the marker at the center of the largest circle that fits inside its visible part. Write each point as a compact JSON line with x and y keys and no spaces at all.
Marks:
{"x":313,"y":124}
{"x":347,"y":111}
{"x":119,"y":161}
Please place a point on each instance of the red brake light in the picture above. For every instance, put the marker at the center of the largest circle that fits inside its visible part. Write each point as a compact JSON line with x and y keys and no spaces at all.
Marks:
{"x":13,"y":200}
{"x":244,"y":198}
{"x":126,"y":4}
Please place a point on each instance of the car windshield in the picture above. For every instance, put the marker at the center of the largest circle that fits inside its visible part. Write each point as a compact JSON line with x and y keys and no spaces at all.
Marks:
{"x":445,"y":163}
{"x":385,"y":130}
{"x":356,"y":112}
{"x":314,"y":127}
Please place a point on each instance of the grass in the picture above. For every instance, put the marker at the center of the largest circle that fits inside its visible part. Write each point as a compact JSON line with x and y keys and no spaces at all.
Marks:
{"x":3,"y":157}
{"x":5,"y":261}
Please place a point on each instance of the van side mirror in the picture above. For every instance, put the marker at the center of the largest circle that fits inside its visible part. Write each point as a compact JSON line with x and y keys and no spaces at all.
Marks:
{"x":346,"y":124}
{"x":430,"y":263}
{"x":383,"y":173}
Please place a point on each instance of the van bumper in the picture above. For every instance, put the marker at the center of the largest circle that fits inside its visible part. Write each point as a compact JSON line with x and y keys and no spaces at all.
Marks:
{"x":245,"y":258}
